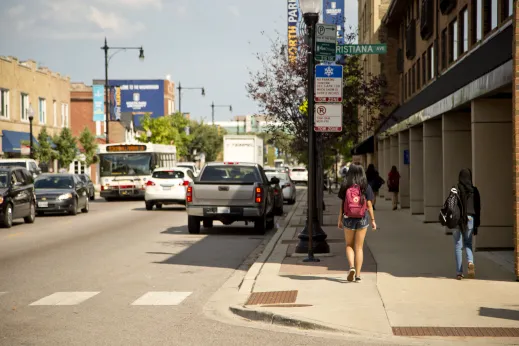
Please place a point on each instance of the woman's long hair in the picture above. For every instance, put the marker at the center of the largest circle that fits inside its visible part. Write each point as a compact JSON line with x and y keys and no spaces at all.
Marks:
{"x":356,"y":176}
{"x":371,"y":172}
{"x":394,"y":170}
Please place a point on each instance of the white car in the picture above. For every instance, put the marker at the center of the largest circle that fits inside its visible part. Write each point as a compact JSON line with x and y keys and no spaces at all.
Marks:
{"x":167,"y":186}
{"x":189,"y":165}
{"x":299,"y":175}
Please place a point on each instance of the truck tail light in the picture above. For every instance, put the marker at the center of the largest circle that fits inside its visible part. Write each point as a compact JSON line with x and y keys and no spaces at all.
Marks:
{"x":186,"y":183}
{"x":259,"y":194}
{"x":276,"y":192}
{"x":189,"y":194}
{"x":150,"y":183}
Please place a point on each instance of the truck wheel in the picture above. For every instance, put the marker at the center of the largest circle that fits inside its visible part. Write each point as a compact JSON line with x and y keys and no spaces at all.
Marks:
{"x":208,"y":223}
{"x":270,"y":223}
{"x":279,"y":211}
{"x":193,"y":225}
{"x":149,"y":205}
{"x":260,"y":225}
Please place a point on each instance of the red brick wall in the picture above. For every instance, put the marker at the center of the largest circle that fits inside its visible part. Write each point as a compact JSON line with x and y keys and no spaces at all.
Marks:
{"x":81,"y":112}
{"x":515,"y":135}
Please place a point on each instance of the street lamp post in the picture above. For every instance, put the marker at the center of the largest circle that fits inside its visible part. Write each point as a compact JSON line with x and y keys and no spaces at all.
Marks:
{"x":180,"y":88}
{"x":312,"y":238}
{"x":107,"y":88}
{"x":213,"y":105}
{"x":30,"y":113}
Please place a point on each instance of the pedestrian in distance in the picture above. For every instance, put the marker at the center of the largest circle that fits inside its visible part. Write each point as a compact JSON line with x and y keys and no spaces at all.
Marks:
{"x":470,"y":210}
{"x":375,"y":181}
{"x":393,"y":185}
{"x":354,"y":217}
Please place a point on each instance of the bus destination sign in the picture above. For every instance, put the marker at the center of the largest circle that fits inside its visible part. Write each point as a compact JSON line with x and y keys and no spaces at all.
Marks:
{"x":125,"y":147}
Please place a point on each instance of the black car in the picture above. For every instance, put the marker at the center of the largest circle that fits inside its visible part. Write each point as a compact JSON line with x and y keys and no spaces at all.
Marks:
{"x":90,"y":185}
{"x":61,"y":193}
{"x":17,"y":199}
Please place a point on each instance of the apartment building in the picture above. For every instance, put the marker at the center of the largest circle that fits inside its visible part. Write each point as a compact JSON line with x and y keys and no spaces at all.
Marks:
{"x":370,"y":14}
{"x":449,"y":69}
{"x":28,"y":89}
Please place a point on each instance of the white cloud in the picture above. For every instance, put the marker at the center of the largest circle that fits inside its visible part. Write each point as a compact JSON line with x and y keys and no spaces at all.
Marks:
{"x":135,"y":3}
{"x":16,"y":10}
{"x":113,"y":22}
{"x":234,"y":10}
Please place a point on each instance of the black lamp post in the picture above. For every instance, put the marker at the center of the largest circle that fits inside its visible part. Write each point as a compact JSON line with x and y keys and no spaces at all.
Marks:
{"x":213,"y":105}
{"x":30,"y":113}
{"x":312,"y":238}
{"x":107,"y":88}
{"x":180,"y":88}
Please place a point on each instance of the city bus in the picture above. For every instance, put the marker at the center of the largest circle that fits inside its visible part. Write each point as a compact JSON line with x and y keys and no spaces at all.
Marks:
{"x":125,"y":168}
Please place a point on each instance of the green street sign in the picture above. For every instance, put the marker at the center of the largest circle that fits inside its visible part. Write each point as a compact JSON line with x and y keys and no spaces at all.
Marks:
{"x":326,"y":42}
{"x":325,"y":51}
{"x":360,"y":49}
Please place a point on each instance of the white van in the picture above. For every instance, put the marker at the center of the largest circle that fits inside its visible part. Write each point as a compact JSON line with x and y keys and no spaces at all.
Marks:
{"x":28,"y":164}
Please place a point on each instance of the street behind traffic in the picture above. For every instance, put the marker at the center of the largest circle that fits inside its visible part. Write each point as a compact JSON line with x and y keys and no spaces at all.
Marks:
{"x":121,"y":275}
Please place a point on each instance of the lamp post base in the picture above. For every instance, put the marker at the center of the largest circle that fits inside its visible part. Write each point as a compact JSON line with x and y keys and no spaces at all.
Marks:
{"x":319,"y":243}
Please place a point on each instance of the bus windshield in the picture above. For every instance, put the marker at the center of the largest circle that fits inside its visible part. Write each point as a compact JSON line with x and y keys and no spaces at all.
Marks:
{"x":125,"y":164}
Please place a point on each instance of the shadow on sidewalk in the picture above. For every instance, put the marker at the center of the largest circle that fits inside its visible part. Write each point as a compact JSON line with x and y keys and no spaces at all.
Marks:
{"x":499,"y":313}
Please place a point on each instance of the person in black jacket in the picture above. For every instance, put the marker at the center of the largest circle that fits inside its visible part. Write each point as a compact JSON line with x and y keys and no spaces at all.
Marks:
{"x":470,"y":208}
{"x":375,"y":181}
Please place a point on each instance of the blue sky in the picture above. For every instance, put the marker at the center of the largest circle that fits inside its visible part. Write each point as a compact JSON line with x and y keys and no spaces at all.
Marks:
{"x":208,"y":43}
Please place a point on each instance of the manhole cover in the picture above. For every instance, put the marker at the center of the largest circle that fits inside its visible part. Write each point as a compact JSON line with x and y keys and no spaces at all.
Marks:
{"x":279,"y":297}
{"x":457,"y":331}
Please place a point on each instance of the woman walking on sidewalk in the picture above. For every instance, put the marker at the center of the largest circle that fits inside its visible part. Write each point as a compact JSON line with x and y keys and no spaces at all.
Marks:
{"x":375,"y":181}
{"x":393,"y":185}
{"x":357,"y":198}
{"x":470,"y":208}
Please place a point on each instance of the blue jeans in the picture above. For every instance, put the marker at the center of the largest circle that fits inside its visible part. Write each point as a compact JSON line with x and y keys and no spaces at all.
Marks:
{"x":463,"y":240}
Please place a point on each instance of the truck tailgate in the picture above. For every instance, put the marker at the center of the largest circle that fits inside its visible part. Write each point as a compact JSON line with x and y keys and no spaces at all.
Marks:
{"x":224,"y":194}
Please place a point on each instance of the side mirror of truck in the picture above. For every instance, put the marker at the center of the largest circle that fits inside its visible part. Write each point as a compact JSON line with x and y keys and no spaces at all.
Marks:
{"x":274,"y":181}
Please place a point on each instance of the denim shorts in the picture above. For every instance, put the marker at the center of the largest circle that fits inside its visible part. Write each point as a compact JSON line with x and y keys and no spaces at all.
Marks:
{"x":354,"y":223}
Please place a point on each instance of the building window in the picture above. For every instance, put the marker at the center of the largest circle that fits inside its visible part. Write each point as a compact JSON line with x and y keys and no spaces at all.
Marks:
{"x":413,"y":79}
{"x":507,"y":9}
{"x":42,"y":109}
{"x":24,"y":107}
{"x":4,"y":103}
{"x":464,"y":30}
{"x":490,"y":14}
{"x":431,"y":62}
{"x":424,"y":69}
{"x":453,"y":40}
{"x":405,"y":86}
{"x":55,"y":113}
{"x":477,"y":20}
{"x":444,"y":48}
{"x":64,"y":115}
{"x":418,"y":80}
{"x":510,"y":7}
{"x":402,"y":87}
{"x":493,"y":15}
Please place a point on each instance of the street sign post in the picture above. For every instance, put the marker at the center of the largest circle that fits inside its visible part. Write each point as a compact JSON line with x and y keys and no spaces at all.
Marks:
{"x":328,"y":83}
{"x":325,"y":42}
{"x":328,"y":117}
{"x":361,"y":49}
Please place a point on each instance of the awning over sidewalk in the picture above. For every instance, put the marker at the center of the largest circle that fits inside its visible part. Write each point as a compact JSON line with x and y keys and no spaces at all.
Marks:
{"x":12,"y":141}
{"x":364,"y":147}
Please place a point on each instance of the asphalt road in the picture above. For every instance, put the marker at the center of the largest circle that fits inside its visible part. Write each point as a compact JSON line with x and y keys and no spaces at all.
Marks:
{"x":121,"y":275}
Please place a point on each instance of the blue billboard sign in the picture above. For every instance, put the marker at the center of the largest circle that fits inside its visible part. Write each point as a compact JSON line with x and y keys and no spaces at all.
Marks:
{"x":99,"y":102}
{"x":333,"y":13}
{"x":293,"y":20}
{"x":137,"y":97}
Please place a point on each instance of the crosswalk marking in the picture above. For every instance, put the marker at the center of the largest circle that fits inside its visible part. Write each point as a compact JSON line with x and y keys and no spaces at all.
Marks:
{"x":65,"y":298}
{"x":162,"y":298}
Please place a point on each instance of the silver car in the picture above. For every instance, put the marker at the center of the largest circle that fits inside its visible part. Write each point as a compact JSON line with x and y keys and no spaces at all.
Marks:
{"x":286,"y":184}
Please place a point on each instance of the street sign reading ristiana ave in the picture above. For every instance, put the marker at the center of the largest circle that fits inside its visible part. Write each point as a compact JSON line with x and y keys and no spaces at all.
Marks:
{"x":328,"y":117}
{"x":328,"y":83}
{"x":325,"y":42}
{"x":360,"y":49}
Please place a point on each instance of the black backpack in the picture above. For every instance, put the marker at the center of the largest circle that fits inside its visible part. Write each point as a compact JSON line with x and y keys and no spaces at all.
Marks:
{"x":450,"y":214}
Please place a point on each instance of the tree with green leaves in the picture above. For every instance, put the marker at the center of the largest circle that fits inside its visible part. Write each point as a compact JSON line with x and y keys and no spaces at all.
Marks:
{"x":205,"y":139}
{"x":89,"y":144}
{"x":166,"y":130}
{"x":43,"y":151}
{"x":66,"y":147}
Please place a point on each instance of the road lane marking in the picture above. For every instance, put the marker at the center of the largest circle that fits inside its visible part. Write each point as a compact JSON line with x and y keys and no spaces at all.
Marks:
{"x":65,"y":298}
{"x":162,"y":298}
{"x":14,"y":234}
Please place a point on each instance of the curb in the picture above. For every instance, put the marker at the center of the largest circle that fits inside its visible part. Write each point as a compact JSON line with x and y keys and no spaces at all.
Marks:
{"x":273,"y":318}
{"x":250,"y":277}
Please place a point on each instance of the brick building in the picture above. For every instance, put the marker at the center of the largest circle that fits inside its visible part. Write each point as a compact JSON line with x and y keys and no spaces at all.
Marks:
{"x":449,"y":68}
{"x":23,"y":86}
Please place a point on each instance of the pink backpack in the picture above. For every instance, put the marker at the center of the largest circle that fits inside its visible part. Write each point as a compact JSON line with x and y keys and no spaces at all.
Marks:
{"x":355,"y":203}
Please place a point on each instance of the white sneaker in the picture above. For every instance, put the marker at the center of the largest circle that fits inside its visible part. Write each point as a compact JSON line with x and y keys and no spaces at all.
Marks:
{"x":351,"y":275}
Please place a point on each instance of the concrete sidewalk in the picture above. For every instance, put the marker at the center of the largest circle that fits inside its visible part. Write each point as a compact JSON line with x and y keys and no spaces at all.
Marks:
{"x":408,"y":280}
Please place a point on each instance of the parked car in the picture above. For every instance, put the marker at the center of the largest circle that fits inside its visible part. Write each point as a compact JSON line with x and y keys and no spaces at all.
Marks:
{"x":90,"y":186}
{"x":167,"y":186}
{"x":17,"y":198}
{"x":29,"y":164}
{"x":231,"y":192}
{"x":62,"y":192}
{"x":278,"y":194}
{"x":286,"y":184}
{"x":299,"y":175}
{"x":189,"y":165}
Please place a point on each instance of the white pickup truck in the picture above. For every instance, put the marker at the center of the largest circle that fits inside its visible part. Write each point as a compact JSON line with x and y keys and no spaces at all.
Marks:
{"x":230,"y":192}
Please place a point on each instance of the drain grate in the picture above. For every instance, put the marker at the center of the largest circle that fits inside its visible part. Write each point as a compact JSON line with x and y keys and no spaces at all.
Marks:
{"x":279,"y":297}
{"x":457,"y":331}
